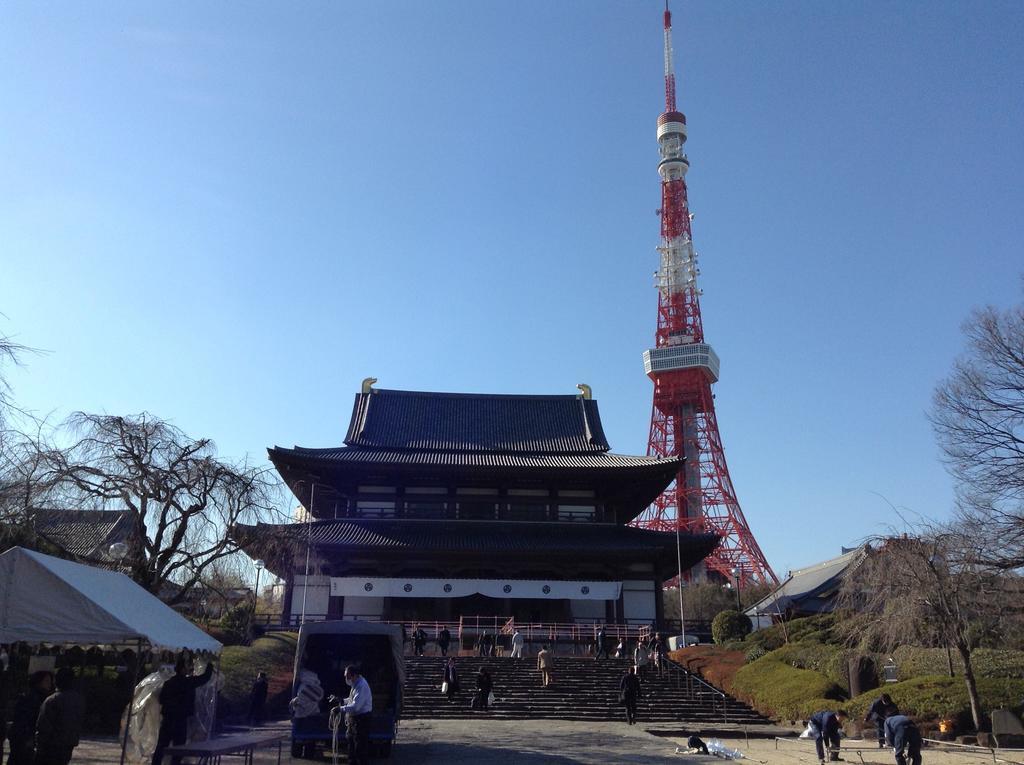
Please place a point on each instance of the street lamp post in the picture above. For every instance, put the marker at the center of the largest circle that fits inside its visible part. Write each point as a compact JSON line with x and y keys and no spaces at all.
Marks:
{"x":259,"y":564}
{"x":736,"y":585}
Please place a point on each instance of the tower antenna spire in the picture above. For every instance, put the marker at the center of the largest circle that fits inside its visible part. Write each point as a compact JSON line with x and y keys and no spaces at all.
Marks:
{"x":683,"y":367}
{"x":670,"y":74}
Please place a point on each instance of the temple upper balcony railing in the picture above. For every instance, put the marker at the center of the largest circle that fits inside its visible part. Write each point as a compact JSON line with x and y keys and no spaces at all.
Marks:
{"x":578,"y":511}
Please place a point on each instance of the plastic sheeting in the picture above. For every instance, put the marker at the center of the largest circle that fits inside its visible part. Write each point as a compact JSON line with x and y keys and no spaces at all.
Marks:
{"x":144,"y":728}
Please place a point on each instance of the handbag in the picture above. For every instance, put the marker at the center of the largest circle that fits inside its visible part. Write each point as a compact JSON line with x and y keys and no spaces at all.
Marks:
{"x":444,"y":687}
{"x":490,"y":698}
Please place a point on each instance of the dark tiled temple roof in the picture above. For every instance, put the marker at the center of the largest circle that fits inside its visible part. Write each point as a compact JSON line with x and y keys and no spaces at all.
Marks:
{"x":465,"y":422}
{"x":349,"y":455}
{"x":482,"y":537}
{"x":83,"y":533}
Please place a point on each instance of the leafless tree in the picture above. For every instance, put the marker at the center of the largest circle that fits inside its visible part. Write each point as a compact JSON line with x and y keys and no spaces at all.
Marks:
{"x":182,"y":498}
{"x":978,"y":417}
{"x":933,"y":590}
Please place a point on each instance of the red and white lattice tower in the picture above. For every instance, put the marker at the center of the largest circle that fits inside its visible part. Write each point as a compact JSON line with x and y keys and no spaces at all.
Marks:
{"x":683,"y":367}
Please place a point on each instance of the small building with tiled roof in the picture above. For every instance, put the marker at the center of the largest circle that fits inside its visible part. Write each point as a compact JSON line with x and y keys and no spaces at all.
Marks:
{"x":443,"y":505}
{"x":83,"y":535}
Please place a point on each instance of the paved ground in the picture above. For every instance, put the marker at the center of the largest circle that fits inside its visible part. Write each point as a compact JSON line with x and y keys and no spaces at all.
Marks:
{"x":484,"y":741}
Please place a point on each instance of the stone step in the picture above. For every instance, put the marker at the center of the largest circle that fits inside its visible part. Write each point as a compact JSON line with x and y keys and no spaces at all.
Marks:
{"x":584,"y":689}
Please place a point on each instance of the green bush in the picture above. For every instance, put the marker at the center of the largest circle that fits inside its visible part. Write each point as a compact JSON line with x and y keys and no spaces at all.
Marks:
{"x":913,"y":661}
{"x":235,"y":624}
{"x":935,"y":697}
{"x":785,"y":691}
{"x":754,"y":653}
{"x":728,"y":626}
{"x":829,"y":660}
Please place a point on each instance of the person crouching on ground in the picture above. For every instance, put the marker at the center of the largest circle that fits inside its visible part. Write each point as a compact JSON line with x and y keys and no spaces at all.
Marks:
{"x":357,"y":709}
{"x":177,"y":704}
{"x":629,"y":692}
{"x":881,"y":708}
{"x":904,"y":738}
{"x":828,"y":724}
{"x":60,"y":721}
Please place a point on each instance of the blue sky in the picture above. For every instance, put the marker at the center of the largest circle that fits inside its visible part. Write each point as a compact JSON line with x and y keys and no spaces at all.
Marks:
{"x":228,"y":214}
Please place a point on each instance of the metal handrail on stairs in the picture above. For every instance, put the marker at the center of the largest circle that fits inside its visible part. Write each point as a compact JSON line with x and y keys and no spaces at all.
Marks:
{"x":693,"y":683}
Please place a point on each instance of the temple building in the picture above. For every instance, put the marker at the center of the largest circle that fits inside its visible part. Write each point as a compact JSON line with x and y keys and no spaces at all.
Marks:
{"x":446,"y":505}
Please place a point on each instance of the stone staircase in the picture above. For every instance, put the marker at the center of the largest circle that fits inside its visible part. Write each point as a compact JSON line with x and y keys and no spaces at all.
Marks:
{"x":583,"y":689}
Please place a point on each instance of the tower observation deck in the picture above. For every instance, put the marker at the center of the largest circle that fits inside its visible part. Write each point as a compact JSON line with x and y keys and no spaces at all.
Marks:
{"x":683,"y":367}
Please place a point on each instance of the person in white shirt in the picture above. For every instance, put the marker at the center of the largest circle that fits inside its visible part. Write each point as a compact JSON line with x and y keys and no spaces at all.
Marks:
{"x":517,"y":645}
{"x":357,"y":708}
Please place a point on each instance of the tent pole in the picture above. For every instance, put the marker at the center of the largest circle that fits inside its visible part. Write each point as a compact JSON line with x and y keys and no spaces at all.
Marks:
{"x":131,"y":700}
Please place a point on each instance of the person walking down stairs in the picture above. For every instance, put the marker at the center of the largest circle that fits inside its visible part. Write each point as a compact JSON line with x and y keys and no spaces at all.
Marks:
{"x":450,"y":680}
{"x":484,"y":685}
{"x":629,"y":693}
{"x":640,"y":659}
{"x":545,"y":663}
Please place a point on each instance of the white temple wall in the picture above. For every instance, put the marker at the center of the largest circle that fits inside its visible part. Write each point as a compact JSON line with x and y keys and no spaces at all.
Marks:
{"x":638,"y":601}
{"x":317,"y":592}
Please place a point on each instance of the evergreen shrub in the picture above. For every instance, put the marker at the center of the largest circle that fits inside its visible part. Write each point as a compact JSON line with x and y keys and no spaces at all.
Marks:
{"x":785,"y":691}
{"x":729,"y":626}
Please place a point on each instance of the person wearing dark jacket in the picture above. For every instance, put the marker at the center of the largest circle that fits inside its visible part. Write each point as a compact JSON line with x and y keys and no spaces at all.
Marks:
{"x":258,"y":699}
{"x":451,"y":677}
{"x":828,"y":724}
{"x":444,"y":639}
{"x":904,"y":738}
{"x":484,"y":684}
{"x":177,"y":704}
{"x":881,"y":708}
{"x":59,"y":725}
{"x":22,"y":730}
{"x":419,"y":640}
{"x":601,"y":643}
{"x":629,"y":692}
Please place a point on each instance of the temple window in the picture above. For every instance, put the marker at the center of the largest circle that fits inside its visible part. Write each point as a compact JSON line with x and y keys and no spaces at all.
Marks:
{"x":525,"y":511}
{"x":426,"y":509}
{"x":477,"y":511}
{"x":375,"y":508}
{"x":583,"y":513}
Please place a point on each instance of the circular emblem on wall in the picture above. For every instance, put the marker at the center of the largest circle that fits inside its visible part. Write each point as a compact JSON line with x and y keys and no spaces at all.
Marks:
{"x":585,"y":590}
{"x":408,"y":587}
{"x":507,"y":588}
{"x":447,"y":588}
{"x":368,"y":586}
{"x":546,"y":589}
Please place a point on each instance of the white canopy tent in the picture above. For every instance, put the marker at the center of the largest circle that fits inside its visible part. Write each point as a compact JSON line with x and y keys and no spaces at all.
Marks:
{"x":48,"y":600}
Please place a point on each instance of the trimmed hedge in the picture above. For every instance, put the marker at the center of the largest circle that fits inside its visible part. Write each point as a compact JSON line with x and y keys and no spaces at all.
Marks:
{"x":716,"y":664}
{"x":785,"y":691}
{"x":935,"y":697}
{"x":988,"y":662}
